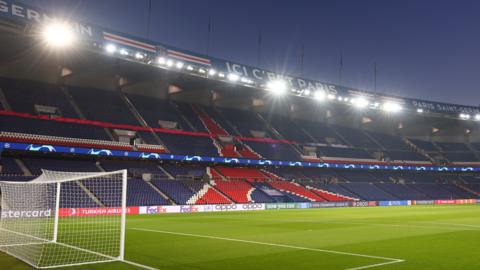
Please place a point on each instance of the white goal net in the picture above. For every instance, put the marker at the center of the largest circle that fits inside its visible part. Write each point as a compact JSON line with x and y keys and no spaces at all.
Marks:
{"x":64,"y":219}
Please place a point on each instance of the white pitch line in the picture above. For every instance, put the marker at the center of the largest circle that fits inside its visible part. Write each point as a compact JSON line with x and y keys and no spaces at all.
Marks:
{"x":390,"y":260}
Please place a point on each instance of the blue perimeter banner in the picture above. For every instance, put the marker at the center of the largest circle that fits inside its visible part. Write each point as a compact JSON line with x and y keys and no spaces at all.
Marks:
{"x":19,"y":12}
{"x":221,"y":160}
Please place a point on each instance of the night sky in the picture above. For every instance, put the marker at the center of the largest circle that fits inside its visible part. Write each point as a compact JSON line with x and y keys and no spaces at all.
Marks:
{"x":423,"y":49}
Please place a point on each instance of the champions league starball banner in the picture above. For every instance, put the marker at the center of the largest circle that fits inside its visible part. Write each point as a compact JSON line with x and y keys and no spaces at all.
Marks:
{"x":43,"y":148}
{"x":95,"y":35}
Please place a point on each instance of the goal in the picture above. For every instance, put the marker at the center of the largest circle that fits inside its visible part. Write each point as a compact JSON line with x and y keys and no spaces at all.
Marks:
{"x":64,"y":219}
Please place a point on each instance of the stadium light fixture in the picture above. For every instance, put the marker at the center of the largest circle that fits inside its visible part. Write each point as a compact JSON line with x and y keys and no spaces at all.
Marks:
{"x":419,"y":110}
{"x":169,"y":63}
{"x":202,"y":71}
{"x":123,"y":52}
{"x":110,"y":48}
{"x":139,"y":56}
{"x":233,"y":77}
{"x":161,"y":60}
{"x":391,"y":107}
{"x":277,"y":87}
{"x":319,"y":95}
{"x":464,"y":116}
{"x":477,"y":117}
{"x":221,"y":75}
{"x":331,"y":96}
{"x":360,"y":102}
{"x":179,"y":65}
{"x":58,"y":35}
{"x":189,"y":68}
{"x":212,"y":72}
{"x":306,"y":92}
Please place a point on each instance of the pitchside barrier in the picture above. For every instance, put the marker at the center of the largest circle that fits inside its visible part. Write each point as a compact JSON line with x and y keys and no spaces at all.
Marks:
{"x":170,"y":209}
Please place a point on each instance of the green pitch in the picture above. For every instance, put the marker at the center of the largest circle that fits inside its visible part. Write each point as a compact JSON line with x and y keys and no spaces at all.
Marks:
{"x":417,"y":237}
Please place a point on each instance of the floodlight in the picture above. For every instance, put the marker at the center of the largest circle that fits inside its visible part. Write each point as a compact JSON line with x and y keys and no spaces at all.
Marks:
{"x":202,"y":71}
{"x":233,"y":77}
{"x":419,"y":110}
{"x":169,"y":63}
{"x":360,"y":102}
{"x":331,"y":96}
{"x":306,"y":92}
{"x":277,"y":87}
{"x":123,"y":52}
{"x":59,"y":35}
{"x":221,"y":75}
{"x":110,"y":48}
{"x":139,"y":56}
{"x":179,"y":65}
{"x":161,"y":60}
{"x":464,"y":116}
{"x":319,"y":95}
{"x":246,"y":80}
{"x":477,"y":117}
{"x":391,"y":107}
{"x":190,"y":68}
{"x":212,"y":72}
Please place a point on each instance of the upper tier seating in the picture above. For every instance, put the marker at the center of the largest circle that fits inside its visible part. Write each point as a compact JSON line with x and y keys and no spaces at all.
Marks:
{"x":356,"y":137}
{"x":188,"y":112}
{"x":287,"y":128}
{"x":245,"y":121}
{"x":274,"y":151}
{"x":189,"y":145}
{"x":424,"y":145}
{"x":389,"y":142}
{"x":321,"y":132}
{"x":24,"y":95}
{"x":153,"y":110}
{"x":461,"y":156}
{"x":405,"y":156}
{"x":341,"y":152}
{"x":334,"y":188}
{"x":446,"y":147}
{"x":475,"y":146}
{"x":218,"y":117}
{"x":101,"y":105}
{"x":51,"y":128}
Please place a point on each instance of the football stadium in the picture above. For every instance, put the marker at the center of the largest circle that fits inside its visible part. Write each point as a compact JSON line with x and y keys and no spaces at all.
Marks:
{"x":120,"y":152}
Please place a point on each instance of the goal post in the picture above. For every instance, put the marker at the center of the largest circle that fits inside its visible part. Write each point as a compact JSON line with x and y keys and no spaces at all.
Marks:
{"x":65,"y":218}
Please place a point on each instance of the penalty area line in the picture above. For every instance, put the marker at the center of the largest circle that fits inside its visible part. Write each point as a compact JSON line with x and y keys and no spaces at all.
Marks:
{"x":389,"y":260}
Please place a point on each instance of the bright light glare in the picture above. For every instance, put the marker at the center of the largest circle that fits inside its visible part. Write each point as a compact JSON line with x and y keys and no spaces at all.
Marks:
{"x":59,"y":35}
{"x":419,"y":110}
{"x":179,"y":65}
{"x":360,"y":102}
{"x":277,"y":87}
{"x":233,"y":77}
{"x":306,"y":92}
{"x":391,"y":107}
{"x":331,"y":96}
{"x":169,"y":63}
{"x":161,"y":60}
{"x":465,"y":116}
{"x":139,"y":56}
{"x":110,"y":48}
{"x":123,"y":52}
{"x":212,"y":72}
{"x":319,"y":95}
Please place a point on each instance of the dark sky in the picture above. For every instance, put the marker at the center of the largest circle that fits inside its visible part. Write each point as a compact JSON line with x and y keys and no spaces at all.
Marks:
{"x":425,"y":49}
